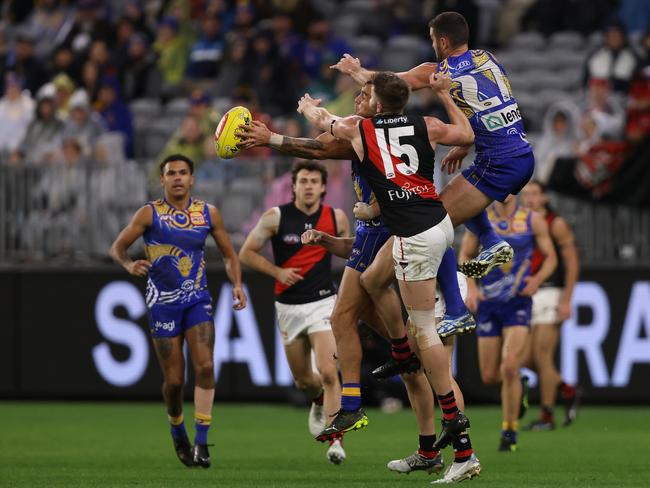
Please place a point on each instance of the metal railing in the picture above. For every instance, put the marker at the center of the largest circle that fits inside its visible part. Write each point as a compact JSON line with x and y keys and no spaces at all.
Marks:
{"x":71,"y":214}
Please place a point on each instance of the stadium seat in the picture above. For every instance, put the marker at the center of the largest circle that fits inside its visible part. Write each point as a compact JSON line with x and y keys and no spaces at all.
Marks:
{"x":177,"y":107}
{"x":535,"y":61}
{"x":512,"y":61}
{"x":528,"y":41}
{"x":359,"y":8}
{"x":235,"y":209}
{"x":365,"y":46}
{"x":346,"y":27}
{"x":569,"y":40}
{"x":561,"y":59}
{"x":145,"y":107}
{"x":398,"y":60}
{"x":327,"y":8}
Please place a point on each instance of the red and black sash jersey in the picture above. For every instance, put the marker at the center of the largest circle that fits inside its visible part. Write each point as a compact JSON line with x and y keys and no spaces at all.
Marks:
{"x":398,"y":163}
{"x":314,"y":262}
{"x":557,"y":278}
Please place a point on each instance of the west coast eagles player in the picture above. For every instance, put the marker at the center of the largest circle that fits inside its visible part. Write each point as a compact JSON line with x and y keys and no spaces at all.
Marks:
{"x":503,"y":304}
{"x":304,"y":289}
{"x":175,"y":229}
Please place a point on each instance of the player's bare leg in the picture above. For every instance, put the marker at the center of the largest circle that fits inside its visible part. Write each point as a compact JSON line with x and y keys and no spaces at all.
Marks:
{"x":200,"y":342}
{"x":464,"y":202}
{"x":169,"y":351}
{"x":420,"y":300}
{"x":350,"y":302}
{"x":376,"y":280}
{"x":324,"y":348}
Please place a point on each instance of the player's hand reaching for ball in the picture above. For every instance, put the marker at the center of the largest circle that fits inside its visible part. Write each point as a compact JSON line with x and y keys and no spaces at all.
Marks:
{"x":139,"y":268}
{"x":254,"y":135}
{"x":239,"y":297}
{"x":347,"y":64}
{"x":307,"y":101}
{"x":440,"y":83}
{"x":289,"y":276}
{"x":454,"y":159}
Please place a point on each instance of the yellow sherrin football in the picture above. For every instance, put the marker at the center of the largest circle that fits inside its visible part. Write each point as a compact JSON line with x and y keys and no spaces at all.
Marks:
{"x":225,"y":140}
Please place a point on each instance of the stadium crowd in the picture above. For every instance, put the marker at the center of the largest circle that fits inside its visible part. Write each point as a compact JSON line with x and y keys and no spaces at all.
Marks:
{"x":101,"y":84}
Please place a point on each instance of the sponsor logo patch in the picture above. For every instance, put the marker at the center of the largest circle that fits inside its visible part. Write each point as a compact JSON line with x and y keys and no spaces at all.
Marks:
{"x":197,"y":218}
{"x":502,"y":118}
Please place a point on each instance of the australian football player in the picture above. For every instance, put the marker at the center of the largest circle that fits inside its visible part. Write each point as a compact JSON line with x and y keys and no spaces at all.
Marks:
{"x":305,"y":292}
{"x":174,"y":229}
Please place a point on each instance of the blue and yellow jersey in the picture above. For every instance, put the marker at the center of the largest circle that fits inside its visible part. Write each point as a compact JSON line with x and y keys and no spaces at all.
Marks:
{"x":506,"y":281}
{"x":480,"y":88}
{"x":175,"y":246}
{"x":364,"y":194}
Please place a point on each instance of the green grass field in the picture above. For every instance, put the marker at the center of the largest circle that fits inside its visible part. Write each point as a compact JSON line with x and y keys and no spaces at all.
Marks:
{"x":120,"y":444}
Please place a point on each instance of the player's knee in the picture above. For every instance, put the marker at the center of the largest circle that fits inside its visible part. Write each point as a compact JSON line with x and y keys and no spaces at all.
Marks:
{"x":173,"y":385}
{"x":369,"y":283}
{"x":509,"y":369}
{"x":490,"y":377}
{"x":205,"y":369}
{"x":304,"y":382}
{"x":329,"y":376}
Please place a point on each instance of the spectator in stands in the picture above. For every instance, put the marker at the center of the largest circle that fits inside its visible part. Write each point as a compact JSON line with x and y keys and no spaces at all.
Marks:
{"x":124,"y":32}
{"x":285,"y":39}
{"x":201,"y":109}
{"x":65,"y":62}
{"x":115,"y":113}
{"x":47,"y":21}
{"x":16,"y":112}
{"x":230,"y":78}
{"x":638,"y":116}
{"x":88,"y":27}
{"x":25,"y":64}
{"x":171,"y":47}
{"x":140,"y":77}
{"x":43,"y":136}
{"x":188,"y":141}
{"x":320,"y":43}
{"x":207,"y":52}
{"x":635,"y":14}
{"x":83,"y":124}
{"x":267,"y":75}
{"x":90,"y":80}
{"x":100,"y":55}
{"x":614,"y":60}
{"x":64,"y":90}
{"x":559,"y":138}
{"x":607,"y":108}
{"x":134,"y":11}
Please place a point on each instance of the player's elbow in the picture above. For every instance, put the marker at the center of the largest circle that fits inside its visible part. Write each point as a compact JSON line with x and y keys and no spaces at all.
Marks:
{"x":244,"y":256}
{"x":467,"y":137}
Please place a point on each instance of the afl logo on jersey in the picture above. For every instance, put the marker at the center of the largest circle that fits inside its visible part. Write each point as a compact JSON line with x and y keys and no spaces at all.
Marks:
{"x":291,"y":239}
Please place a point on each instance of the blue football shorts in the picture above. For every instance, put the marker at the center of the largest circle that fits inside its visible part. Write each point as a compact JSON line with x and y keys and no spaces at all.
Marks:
{"x":367,"y":243}
{"x":170,"y":320}
{"x":493,"y":316}
{"x":500,"y":177}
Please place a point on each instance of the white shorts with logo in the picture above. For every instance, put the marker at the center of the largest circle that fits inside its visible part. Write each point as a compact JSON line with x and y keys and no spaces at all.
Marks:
{"x":418,"y":257}
{"x":305,"y":318}
{"x":545,"y":304}
{"x":440,"y":300}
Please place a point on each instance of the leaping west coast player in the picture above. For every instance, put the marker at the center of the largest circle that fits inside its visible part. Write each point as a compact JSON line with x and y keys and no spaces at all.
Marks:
{"x":410,"y":207}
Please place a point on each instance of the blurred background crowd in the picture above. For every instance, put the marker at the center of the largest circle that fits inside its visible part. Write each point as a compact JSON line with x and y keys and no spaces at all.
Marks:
{"x":95,"y":93}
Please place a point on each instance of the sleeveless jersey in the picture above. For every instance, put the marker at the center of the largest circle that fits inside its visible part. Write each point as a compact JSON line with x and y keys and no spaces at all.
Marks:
{"x":398,"y":165}
{"x":506,"y":281}
{"x":314,"y":262}
{"x":175,"y":244}
{"x":480,"y":88}
{"x":557,"y":278}
{"x":364,"y":194}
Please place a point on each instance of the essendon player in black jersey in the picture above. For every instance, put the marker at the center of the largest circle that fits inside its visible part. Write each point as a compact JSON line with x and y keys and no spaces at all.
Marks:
{"x":397,"y":157}
{"x":304,"y":290}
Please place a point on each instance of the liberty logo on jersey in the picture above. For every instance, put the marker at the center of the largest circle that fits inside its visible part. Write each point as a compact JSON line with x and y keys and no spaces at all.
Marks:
{"x":502,"y":118}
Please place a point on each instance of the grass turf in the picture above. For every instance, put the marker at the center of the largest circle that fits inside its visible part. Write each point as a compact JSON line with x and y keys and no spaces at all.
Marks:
{"x":90,"y":444}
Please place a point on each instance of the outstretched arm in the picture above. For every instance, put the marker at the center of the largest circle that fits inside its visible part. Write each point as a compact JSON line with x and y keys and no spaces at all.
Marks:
{"x":563,"y":237}
{"x":339,"y":246}
{"x":458,"y":131}
{"x":132,"y":232}
{"x":417,"y":77}
{"x":230,"y":259}
{"x":339,"y":127}
{"x":325,"y":146}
